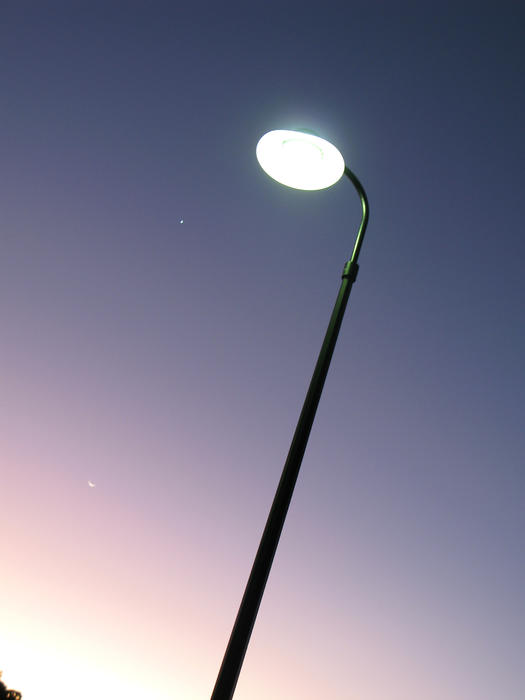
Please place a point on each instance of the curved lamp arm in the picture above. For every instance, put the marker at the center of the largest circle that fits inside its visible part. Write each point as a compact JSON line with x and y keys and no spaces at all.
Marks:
{"x":364,"y":220}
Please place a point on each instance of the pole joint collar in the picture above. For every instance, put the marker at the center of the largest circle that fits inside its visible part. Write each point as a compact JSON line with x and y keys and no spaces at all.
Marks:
{"x":350,"y":271}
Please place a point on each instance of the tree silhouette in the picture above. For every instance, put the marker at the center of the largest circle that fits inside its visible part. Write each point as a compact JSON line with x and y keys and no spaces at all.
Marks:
{"x":6,"y":694}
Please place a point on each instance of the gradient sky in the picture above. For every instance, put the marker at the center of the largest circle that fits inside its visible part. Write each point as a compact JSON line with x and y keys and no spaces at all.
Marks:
{"x":167,"y":362}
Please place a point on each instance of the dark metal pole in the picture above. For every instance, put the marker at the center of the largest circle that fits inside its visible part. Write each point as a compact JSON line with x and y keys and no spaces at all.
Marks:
{"x":242,"y":628}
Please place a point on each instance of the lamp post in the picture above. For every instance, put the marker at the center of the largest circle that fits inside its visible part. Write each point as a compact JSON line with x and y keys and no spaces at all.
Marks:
{"x":301,"y":160}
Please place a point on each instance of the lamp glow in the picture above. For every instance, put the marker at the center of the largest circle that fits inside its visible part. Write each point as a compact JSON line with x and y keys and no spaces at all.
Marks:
{"x":300,"y":160}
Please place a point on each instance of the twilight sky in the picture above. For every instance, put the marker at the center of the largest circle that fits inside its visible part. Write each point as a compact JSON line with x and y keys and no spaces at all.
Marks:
{"x":167,"y":362}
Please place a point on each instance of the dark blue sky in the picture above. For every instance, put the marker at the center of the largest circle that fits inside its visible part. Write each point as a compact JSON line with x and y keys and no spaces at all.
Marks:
{"x":167,"y":362}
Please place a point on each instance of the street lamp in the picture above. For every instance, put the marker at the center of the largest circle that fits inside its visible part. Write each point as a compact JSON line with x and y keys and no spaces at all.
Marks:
{"x":302,"y":160}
